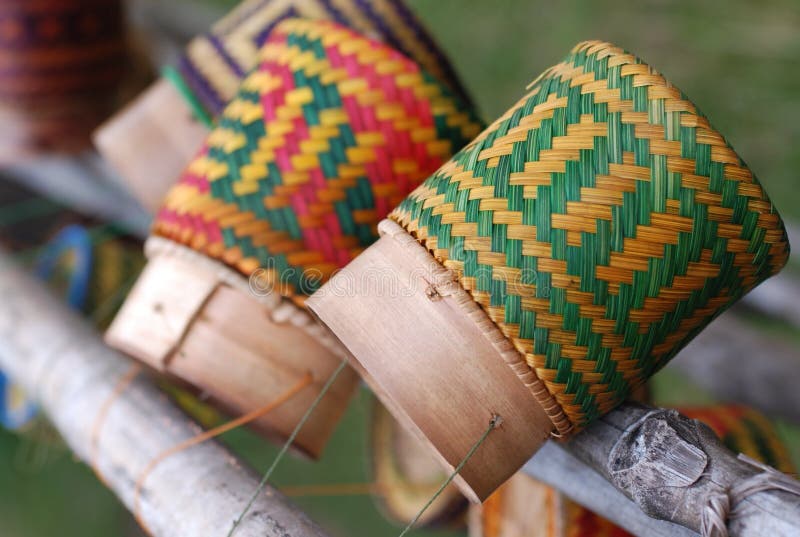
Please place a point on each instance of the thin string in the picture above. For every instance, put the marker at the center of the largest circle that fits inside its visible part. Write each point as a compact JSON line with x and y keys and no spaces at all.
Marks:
{"x":99,"y":420}
{"x":211,"y":433}
{"x":494,"y":422}
{"x":721,"y":506}
{"x":284,"y":449}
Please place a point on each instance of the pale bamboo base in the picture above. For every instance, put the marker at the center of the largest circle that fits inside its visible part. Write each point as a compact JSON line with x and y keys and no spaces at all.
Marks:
{"x":150,"y":142}
{"x":435,"y":359}
{"x":194,"y":319}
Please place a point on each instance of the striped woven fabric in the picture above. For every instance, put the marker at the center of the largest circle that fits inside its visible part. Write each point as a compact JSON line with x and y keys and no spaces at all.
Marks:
{"x":601,"y":223}
{"x":61,"y":64}
{"x":214,"y":64}
{"x":328,"y":134}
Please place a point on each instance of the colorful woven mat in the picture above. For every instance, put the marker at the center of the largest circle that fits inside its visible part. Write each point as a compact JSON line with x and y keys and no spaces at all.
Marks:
{"x":601,"y":223}
{"x":214,"y":64}
{"x":328,"y":134}
{"x":741,"y":429}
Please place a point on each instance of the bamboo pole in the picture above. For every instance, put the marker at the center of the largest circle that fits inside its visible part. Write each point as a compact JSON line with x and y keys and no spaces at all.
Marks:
{"x":61,"y":361}
{"x":636,"y":456}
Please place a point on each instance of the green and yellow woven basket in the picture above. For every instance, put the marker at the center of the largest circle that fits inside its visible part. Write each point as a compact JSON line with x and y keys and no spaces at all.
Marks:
{"x":601,"y":223}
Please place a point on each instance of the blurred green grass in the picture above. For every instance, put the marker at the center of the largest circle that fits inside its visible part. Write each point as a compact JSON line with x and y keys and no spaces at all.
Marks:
{"x":736,"y":59}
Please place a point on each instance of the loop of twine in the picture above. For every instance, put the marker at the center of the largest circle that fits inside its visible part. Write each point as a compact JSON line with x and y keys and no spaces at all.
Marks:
{"x":722,"y":505}
{"x":124,"y":382}
{"x":212,"y":433}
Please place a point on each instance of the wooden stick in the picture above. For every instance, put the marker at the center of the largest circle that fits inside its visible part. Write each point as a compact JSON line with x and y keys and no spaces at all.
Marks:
{"x":73,"y":374}
{"x":85,"y":184}
{"x":60,"y":360}
{"x":558,"y":468}
{"x":667,"y":465}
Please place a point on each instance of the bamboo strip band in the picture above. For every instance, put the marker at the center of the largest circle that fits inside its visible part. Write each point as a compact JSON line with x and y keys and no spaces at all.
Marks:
{"x":279,"y":309}
{"x":214,"y":64}
{"x":601,"y":223}
{"x":444,"y":282}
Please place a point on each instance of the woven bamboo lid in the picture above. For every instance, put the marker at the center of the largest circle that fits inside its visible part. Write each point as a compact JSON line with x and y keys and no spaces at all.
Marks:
{"x":328,"y":134}
{"x":600,"y":224}
{"x":163,"y":120}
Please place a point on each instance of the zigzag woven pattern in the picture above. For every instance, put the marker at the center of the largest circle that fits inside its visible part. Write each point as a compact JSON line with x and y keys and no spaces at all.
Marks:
{"x":323,"y":139}
{"x":214,"y":64}
{"x":601,"y":223}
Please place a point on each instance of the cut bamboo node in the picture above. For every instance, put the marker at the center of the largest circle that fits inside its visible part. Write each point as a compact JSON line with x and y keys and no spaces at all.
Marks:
{"x":195,"y":320}
{"x":441,"y":372}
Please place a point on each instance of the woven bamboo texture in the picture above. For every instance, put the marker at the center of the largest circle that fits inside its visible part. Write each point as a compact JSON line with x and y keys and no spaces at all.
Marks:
{"x":328,"y":134}
{"x":741,"y":429}
{"x":601,"y":222}
{"x":214,"y":64}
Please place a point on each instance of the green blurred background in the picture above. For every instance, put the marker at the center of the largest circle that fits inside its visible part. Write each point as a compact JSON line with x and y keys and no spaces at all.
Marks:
{"x":737,"y":59}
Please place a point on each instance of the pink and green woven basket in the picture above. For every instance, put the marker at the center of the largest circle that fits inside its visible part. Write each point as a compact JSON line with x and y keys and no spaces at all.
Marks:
{"x":329,"y":133}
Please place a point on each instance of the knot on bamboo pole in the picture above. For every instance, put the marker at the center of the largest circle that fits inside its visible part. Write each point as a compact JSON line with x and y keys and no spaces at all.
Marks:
{"x":656,"y":458}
